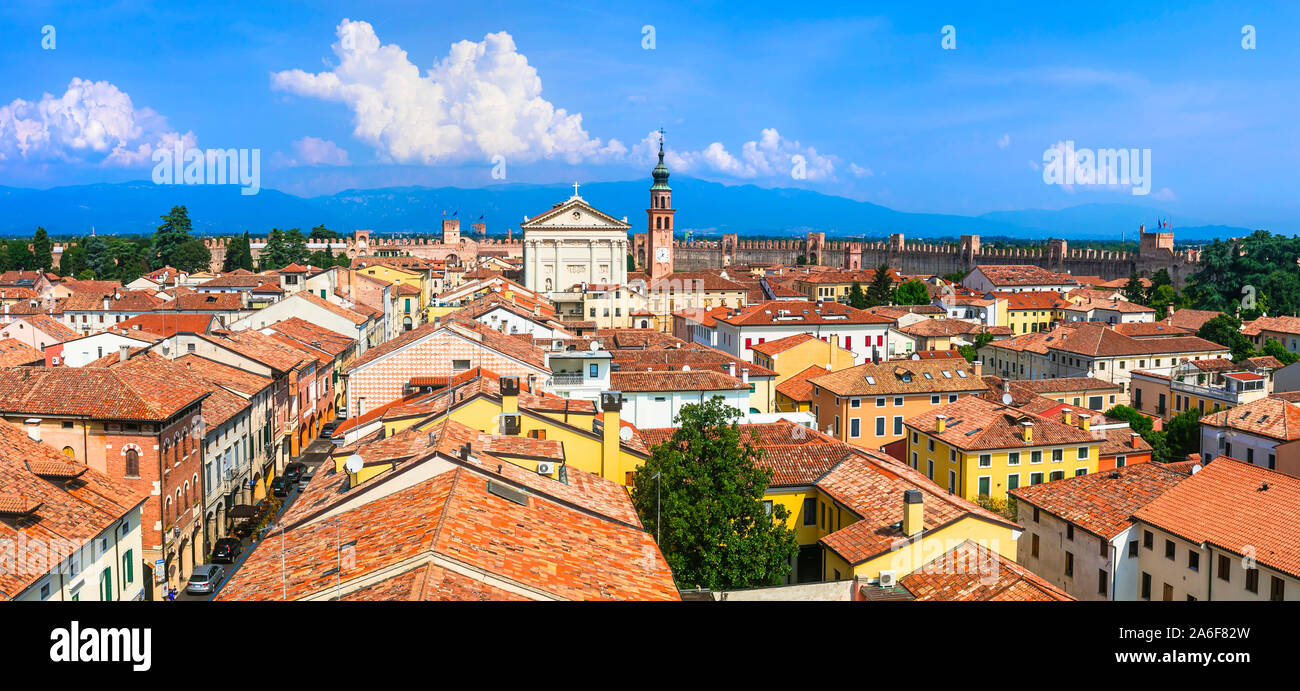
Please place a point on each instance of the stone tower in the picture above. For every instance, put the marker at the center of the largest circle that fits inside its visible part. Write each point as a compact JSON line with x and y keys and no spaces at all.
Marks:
{"x":659,"y":259}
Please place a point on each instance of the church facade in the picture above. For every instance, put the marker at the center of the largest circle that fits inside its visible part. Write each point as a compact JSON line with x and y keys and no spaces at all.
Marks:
{"x":574,"y":243}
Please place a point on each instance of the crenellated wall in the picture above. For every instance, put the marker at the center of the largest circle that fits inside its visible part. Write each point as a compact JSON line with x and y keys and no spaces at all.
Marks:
{"x":929,"y":258}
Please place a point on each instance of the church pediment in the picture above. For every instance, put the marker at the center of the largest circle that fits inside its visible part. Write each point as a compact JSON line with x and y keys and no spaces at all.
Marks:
{"x":575,"y":213}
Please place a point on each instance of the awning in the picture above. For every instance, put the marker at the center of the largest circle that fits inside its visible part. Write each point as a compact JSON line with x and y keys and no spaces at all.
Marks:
{"x":241,"y":511}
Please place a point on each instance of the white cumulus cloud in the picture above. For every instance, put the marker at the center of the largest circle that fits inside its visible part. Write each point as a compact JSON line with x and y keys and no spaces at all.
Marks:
{"x":1004,"y":141}
{"x":769,"y":156}
{"x":92,"y":121}
{"x":481,"y":100}
{"x":311,"y":151}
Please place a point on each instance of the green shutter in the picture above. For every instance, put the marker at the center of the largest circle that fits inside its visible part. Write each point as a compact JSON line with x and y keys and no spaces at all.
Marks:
{"x":106,"y":585}
{"x":128,"y":568}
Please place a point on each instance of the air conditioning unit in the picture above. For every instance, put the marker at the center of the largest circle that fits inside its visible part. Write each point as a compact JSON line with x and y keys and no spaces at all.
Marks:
{"x":54,"y":360}
{"x":887,"y":579}
{"x":545,"y":468}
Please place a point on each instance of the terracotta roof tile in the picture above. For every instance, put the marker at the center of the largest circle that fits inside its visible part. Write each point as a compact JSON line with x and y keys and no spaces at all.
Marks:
{"x":972,"y":572}
{"x":1102,"y":503}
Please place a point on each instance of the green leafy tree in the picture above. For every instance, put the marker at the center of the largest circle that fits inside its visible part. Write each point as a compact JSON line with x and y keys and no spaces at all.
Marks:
{"x":857,"y":297}
{"x":702,"y":492}
{"x":73,"y":261}
{"x":274,"y":254}
{"x":295,"y":247}
{"x":911,"y":293}
{"x":1161,"y":297}
{"x":129,"y":260}
{"x":1183,"y":434}
{"x":42,"y":250}
{"x":99,"y":257}
{"x":20,"y":256}
{"x":800,"y":260}
{"x":881,"y":289}
{"x":170,"y":237}
{"x":1234,"y":274}
{"x":955,"y":277}
{"x":1225,"y":330}
{"x":1143,"y":426}
{"x":1134,"y":291}
{"x":192,"y":256}
{"x":239,"y":254}
{"x":631,"y":263}
{"x":320,"y":232}
{"x":1275,"y":348}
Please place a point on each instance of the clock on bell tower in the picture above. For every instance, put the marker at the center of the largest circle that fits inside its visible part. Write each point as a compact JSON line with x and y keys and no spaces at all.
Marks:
{"x":660,"y":231}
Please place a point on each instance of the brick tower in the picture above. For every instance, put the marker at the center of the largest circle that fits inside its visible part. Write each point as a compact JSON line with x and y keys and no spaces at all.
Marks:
{"x":659,"y":257}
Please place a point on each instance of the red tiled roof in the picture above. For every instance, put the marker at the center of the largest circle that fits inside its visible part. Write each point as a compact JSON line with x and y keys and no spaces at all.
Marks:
{"x":1237,"y":507}
{"x":972,"y":572}
{"x":1023,"y":275}
{"x":167,"y":325}
{"x":50,"y":326}
{"x":14,"y":353}
{"x":798,"y":387}
{"x":801,"y":313}
{"x":1268,"y":417}
{"x":673,"y":380}
{"x":100,"y":394}
{"x":1102,"y":503}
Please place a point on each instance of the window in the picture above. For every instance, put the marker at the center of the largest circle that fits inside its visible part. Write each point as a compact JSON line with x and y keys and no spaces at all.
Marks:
{"x":1146,"y":586}
{"x":1193,"y":560}
{"x":1057,"y":475}
{"x":1225,"y":566}
{"x":1102,"y":581}
{"x":880,"y":402}
{"x":1148,"y":539}
{"x":929,"y":469}
{"x":128,"y":567}
{"x":1058,"y":455}
{"x":1276,"y":589}
{"x":984,"y":488}
{"x":898,"y":400}
{"x":986,"y":460}
{"x":1035,"y":514}
{"x":930,"y":444}
{"x":934,"y":400}
{"x":1101,"y":547}
{"x":45,"y":591}
{"x":952,"y":398}
{"x":1083,"y":453}
{"x":1035,"y":478}
{"x":460,"y":365}
{"x":1069,"y":532}
{"x":132,"y":463}
{"x":1252,"y":580}
{"x":898,"y":424}
{"x":855,"y":402}
{"x":1069,"y":565}
{"x":593,"y":370}
{"x":1013,"y":458}
{"x":1171,"y":550}
{"x":854,"y":427}
{"x":1013,"y":482}
{"x":1035,"y":457}
{"x":810,"y":511}
{"x":1169,"y":593}
{"x":1133,"y":548}
{"x":767,"y":507}
{"x":1033,"y":548}
{"x":880,"y":427}
{"x":106,"y":585}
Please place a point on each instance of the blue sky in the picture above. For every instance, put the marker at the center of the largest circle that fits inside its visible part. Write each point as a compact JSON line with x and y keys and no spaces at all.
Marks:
{"x":864,"y":93}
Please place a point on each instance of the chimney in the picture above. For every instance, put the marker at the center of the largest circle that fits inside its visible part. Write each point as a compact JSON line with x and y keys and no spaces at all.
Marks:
{"x":913,"y":512}
{"x":744,"y":375}
{"x":1069,"y":416}
{"x":123,"y":352}
{"x":33,"y":428}
{"x":611,"y":403}
{"x":105,"y":304}
{"x":978,"y":366}
{"x":1027,"y":431}
{"x":941,"y":422}
{"x":1133,"y":439}
{"x":1086,"y":421}
{"x":509,"y":395}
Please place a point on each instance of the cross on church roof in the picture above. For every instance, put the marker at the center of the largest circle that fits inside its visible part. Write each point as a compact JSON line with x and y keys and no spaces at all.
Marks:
{"x":575,"y":191}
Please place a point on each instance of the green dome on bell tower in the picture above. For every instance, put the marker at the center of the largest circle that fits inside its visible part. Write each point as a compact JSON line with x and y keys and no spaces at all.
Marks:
{"x":660,"y":172}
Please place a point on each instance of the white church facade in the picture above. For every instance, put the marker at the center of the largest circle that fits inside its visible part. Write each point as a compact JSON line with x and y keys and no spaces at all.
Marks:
{"x":573,"y":243}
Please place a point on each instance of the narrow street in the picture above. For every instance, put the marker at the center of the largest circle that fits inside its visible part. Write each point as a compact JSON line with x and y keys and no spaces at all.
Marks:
{"x":314,"y":458}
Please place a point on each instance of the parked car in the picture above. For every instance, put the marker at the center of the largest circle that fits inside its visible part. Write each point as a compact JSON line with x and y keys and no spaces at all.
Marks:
{"x":327,"y":429}
{"x":281,"y":487}
{"x":205,"y":579}
{"x":294,"y":471}
{"x":226,"y":550}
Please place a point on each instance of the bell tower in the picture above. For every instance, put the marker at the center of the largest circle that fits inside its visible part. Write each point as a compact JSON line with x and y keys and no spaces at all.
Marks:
{"x":659,"y":256}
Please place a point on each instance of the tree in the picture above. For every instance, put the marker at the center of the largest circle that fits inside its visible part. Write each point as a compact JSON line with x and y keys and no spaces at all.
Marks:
{"x":911,"y":293}
{"x":1275,"y":348}
{"x":274,"y":255}
{"x":1183,"y":434}
{"x":1143,"y":426}
{"x":239,"y":254}
{"x":170,"y":236}
{"x":295,"y":247}
{"x":857,"y":298}
{"x":1236,"y":273}
{"x":701,"y":492}
{"x":98,"y":257}
{"x":800,"y":260}
{"x":20,"y":256}
{"x":955,"y":277}
{"x":1134,"y":291}
{"x":631,"y":263}
{"x":881,"y":289}
{"x":1225,"y":330}
{"x":320,"y":232}
{"x":42,"y":250}
{"x":73,"y":261}
{"x":1161,"y":297}
{"x":192,"y":256}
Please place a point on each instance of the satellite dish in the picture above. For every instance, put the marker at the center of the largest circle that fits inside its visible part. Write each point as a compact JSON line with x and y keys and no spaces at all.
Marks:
{"x":625,"y":434}
{"x":916,"y":356}
{"x":353,"y":464}
{"x":594,"y":345}
{"x":686,"y":368}
{"x":1196,"y":468}
{"x":1007,"y":399}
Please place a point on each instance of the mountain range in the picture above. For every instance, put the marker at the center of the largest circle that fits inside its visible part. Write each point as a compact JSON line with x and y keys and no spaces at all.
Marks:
{"x":706,"y":208}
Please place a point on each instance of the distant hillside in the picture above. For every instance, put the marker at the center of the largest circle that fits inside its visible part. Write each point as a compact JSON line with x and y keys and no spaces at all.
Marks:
{"x":708,"y":208}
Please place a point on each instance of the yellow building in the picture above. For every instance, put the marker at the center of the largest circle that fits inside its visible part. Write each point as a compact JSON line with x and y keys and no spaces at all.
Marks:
{"x":836,"y":284}
{"x":413,"y":285}
{"x":975,"y":447}
{"x":793,"y":354}
{"x":1031,"y":311}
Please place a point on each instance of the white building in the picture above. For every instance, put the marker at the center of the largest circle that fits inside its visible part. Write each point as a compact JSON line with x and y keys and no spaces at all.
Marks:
{"x":858,"y":331}
{"x":653,"y":398}
{"x":581,"y":374}
{"x":571,"y":244}
{"x":80,"y":352}
{"x":1262,"y":433}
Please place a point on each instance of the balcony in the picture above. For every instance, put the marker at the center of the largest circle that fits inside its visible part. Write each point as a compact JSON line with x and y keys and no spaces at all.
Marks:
{"x":561,"y":379}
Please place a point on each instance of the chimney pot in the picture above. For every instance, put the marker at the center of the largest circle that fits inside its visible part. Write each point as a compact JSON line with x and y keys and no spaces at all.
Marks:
{"x":913,"y":512}
{"x":941,"y":422}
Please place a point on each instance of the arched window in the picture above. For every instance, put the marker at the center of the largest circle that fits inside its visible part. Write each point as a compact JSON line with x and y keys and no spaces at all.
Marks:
{"x":67,"y":451}
{"x":132,"y":463}
{"x":668,"y":224}
{"x":167,"y":510}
